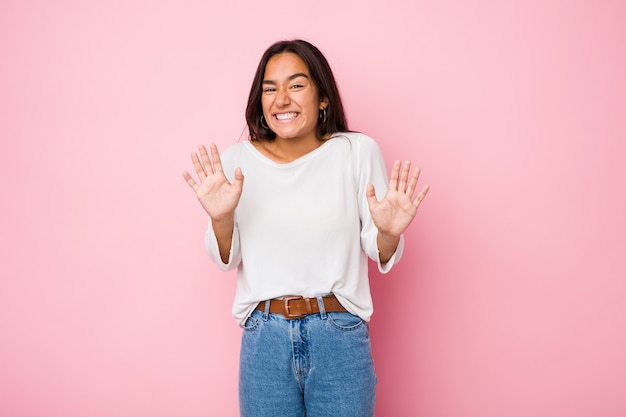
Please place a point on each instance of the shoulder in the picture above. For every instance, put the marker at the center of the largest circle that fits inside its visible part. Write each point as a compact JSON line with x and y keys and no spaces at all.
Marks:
{"x":361,"y":145}
{"x":234,"y":149}
{"x":233,"y":153}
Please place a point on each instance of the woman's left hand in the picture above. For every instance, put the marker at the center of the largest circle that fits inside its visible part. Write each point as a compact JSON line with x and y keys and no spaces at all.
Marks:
{"x":393,"y":214}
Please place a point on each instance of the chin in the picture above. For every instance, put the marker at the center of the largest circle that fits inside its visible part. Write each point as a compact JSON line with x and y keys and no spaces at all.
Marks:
{"x":287,"y":134}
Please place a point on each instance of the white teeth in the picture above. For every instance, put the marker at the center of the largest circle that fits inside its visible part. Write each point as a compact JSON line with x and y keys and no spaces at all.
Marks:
{"x":286,"y":116}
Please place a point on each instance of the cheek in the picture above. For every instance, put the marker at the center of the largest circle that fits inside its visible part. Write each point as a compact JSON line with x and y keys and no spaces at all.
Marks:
{"x":265,"y":113}
{"x":312,"y":105}
{"x":266,"y":103}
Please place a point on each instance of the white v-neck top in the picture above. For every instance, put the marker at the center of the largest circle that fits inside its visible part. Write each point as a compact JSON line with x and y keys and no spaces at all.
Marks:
{"x":304,"y":227}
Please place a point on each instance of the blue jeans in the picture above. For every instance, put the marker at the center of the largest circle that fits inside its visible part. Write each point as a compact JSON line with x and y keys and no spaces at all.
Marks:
{"x":317,"y":366}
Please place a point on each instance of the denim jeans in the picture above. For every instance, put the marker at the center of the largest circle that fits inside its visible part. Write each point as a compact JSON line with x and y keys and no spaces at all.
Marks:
{"x":317,"y":366}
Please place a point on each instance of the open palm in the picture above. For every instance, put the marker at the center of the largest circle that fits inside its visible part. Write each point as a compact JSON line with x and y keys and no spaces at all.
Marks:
{"x":395,"y":212}
{"x":218,"y":196}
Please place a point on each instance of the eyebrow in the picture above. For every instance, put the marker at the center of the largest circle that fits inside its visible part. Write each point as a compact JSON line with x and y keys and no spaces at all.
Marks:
{"x":291,"y":77}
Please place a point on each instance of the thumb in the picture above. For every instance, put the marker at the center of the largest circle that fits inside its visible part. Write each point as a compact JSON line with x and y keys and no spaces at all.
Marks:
{"x":370,"y":194}
{"x":238,"y":183}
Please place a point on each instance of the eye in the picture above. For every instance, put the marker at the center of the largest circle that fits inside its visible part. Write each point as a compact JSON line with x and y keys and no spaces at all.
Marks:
{"x":269,"y":89}
{"x":296,"y":86}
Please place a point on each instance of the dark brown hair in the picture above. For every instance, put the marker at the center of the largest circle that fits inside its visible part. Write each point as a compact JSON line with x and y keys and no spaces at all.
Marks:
{"x":322,"y":77}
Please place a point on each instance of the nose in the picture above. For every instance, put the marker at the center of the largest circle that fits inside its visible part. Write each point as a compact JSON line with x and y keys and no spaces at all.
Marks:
{"x":282,"y":98}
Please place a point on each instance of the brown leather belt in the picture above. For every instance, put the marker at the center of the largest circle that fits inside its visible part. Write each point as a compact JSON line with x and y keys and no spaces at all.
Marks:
{"x":296,"y":306}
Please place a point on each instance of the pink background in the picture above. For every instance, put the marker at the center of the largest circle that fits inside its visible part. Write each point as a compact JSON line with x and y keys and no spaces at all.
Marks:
{"x":511,"y":298}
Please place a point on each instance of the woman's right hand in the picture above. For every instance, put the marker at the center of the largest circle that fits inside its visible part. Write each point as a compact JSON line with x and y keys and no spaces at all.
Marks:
{"x":216,"y":194}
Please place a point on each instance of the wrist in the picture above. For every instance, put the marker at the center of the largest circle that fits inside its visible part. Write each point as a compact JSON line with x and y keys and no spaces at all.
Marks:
{"x":223,"y":222}
{"x":223,"y":218}
{"x":388,"y":238}
{"x":387,"y":246}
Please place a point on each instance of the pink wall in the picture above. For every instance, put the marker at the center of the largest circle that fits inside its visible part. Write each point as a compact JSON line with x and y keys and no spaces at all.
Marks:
{"x":511,"y":300}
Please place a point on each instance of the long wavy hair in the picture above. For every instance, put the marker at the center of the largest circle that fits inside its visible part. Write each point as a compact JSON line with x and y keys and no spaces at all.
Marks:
{"x":322,"y":76}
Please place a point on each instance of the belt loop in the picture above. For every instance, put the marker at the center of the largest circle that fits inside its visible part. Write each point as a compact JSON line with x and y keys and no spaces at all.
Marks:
{"x":266,"y":311}
{"x":320,"y":303}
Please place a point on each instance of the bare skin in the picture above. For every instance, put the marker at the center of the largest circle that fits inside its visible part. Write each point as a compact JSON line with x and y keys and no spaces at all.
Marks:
{"x":291,"y":105}
{"x":395,"y":212}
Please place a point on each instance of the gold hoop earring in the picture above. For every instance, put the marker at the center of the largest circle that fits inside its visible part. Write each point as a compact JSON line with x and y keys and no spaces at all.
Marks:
{"x":265,"y":126}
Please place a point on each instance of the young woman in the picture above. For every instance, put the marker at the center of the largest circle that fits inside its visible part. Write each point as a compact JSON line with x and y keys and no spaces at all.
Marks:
{"x":315,"y":204}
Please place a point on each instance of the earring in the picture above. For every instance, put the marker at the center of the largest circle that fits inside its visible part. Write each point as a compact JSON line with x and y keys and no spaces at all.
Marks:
{"x":265,"y":126}
{"x":323,"y":115}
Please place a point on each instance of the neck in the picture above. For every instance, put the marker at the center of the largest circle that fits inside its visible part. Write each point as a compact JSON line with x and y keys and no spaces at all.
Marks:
{"x":283,"y":150}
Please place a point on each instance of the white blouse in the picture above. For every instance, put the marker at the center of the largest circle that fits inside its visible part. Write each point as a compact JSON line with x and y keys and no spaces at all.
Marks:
{"x":304,"y":227}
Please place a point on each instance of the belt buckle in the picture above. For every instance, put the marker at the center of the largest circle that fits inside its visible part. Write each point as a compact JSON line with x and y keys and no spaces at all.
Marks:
{"x":286,"y":311}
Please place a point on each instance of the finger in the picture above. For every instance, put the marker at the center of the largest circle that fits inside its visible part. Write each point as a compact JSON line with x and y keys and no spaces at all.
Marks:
{"x":421,"y":196}
{"x":370,"y":195}
{"x":413,"y":183}
{"x":393,"y":182}
{"x":404,"y":176}
{"x":238,"y":183}
{"x":190,"y":181}
{"x":217,"y":161}
{"x":198,"y":166}
{"x":206,"y":161}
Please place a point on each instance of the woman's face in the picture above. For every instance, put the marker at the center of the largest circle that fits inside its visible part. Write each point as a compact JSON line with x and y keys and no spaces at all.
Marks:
{"x":290,"y":100}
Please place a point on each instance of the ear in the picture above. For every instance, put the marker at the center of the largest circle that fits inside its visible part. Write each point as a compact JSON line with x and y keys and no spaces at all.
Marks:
{"x":324,"y":103}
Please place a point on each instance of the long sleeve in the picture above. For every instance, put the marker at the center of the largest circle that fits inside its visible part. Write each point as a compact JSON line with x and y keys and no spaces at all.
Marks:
{"x":370,"y":168}
{"x":212,"y":248}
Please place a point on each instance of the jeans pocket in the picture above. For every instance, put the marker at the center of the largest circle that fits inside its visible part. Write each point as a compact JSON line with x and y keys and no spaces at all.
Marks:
{"x":345,"y":321}
{"x":251,"y":323}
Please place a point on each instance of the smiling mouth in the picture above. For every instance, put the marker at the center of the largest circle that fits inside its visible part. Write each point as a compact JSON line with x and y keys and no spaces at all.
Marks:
{"x":285,"y":117}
